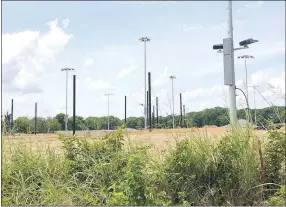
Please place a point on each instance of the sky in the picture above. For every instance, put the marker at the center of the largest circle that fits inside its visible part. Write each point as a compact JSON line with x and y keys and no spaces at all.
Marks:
{"x":100,"y":40}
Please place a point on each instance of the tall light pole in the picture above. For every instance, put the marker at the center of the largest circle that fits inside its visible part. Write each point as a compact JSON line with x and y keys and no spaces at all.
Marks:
{"x":66,"y":116}
{"x":108,"y":94}
{"x":172,"y":77}
{"x":232,"y":97}
{"x":246,"y":79}
{"x":145,"y":39}
{"x":228,"y":58}
{"x":254,"y":88}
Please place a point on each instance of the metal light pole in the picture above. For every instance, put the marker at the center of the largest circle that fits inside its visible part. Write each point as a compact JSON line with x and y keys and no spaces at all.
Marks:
{"x":254,"y":88}
{"x":145,"y":39}
{"x":228,"y":58}
{"x":246,"y":79}
{"x":125,"y":111}
{"x":74,"y":104}
{"x":184,"y":111}
{"x":36,"y":113}
{"x":232,"y":98}
{"x":172,"y":77}
{"x":143,"y":108}
{"x":181,"y":111}
{"x":157,"y":106}
{"x":149,"y":103}
{"x":108,"y":94}
{"x":66,"y":117}
{"x":12,"y":114}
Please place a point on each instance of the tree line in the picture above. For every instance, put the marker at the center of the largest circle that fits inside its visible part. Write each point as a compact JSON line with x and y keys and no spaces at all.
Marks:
{"x":217,"y":116}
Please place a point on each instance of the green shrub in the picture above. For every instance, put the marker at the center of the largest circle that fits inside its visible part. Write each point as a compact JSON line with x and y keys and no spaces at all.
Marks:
{"x":237,"y":168}
{"x":189,"y":171}
{"x":31,"y":178}
{"x":275,"y":152}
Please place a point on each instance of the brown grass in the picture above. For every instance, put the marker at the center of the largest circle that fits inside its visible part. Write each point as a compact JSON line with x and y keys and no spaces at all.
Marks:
{"x":160,"y":138}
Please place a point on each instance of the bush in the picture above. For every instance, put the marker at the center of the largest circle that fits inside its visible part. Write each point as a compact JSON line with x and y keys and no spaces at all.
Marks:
{"x":275,"y":152}
{"x":188,"y":171}
{"x":237,"y":168}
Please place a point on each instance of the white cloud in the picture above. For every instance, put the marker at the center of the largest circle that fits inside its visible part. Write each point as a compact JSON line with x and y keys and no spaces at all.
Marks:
{"x":13,"y":44}
{"x":278,"y":84}
{"x":27,"y":53}
{"x":65,"y":23}
{"x":259,"y":77}
{"x":240,"y":83}
{"x":98,"y":84}
{"x":125,"y":71}
{"x":162,"y":79}
{"x":251,"y":5}
{"x":268,"y":49}
{"x":88,"y":63}
{"x":187,"y":27}
{"x":210,"y":69}
{"x":138,"y":97}
{"x":254,"y":5}
{"x":194,"y":93}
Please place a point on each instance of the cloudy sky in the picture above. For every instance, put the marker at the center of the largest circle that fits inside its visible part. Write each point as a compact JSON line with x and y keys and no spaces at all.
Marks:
{"x":100,"y":41}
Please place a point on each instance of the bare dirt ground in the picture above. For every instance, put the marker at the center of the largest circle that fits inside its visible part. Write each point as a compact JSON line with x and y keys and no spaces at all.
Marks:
{"x":160,"y":138}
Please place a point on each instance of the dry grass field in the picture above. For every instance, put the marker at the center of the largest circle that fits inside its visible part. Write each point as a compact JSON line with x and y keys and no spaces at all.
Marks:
{"x":84,"y":174}
{"x":161,"y":139}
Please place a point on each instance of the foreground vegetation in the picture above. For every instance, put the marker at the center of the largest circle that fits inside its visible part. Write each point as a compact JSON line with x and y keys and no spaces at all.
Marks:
{"x":217,"y":116}
{"x":111,"y":171}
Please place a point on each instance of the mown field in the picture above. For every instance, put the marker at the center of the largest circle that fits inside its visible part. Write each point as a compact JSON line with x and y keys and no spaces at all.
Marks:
{"x":207,"y":166}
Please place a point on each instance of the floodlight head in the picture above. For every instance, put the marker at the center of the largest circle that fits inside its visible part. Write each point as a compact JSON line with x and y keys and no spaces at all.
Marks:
{"x":145,"y":39}
{"x":172,"y":77}
{"x":246,"y":42}
{"x":66,"y":69}
{"x":218,"y":47}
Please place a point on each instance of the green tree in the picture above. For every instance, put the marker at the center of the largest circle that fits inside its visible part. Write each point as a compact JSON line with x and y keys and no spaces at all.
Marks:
{"x":22,"y":125}
{"x":79,"y":123}
{"x":61,"y":119}
{"x":42,"y":126}
{"x":53,"y":125}
{"x":92,"y":123}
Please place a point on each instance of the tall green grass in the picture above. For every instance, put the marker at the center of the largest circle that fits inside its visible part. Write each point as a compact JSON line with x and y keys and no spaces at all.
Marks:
{"x":110,"y":171}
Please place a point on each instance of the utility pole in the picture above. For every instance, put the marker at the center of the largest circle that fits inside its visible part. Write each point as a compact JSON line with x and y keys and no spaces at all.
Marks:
{"x":228,"y":62}
{"x":246,"y":79}
{"x":157,"y":106}
{"x":153,"y":117}
{"x":147,"y":108}
{"x":172,"y":77}
{"x":12,"y":114}
{"x":125,"y":112}
{"x":36,"y":118}
{"x":150,"y":104}
{"x":245,"y":66}
{"x":74,"y":103}
{"x":66,"y":116}
{"x":232,"y":97}
{"x":254,"y":88}
{"x":108,"y":94}
{"x":145,"y":39}
{"x":184,"y":111}
{"x":181,"y":113}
